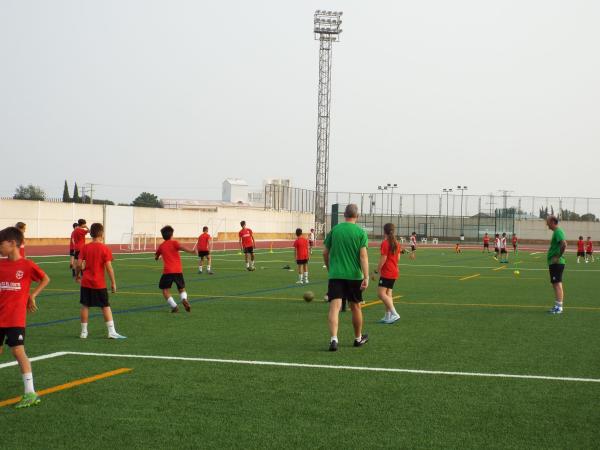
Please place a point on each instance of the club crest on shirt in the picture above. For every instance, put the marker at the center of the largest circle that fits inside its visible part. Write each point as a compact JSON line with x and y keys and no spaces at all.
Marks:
{"x":19,"y":274}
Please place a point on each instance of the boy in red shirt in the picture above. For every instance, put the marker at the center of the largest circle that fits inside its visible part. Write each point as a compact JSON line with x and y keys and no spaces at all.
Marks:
{"x":388,"y":270}
{"x":72,"y":251}
{"x":172,"y":270}
{"x":22,"y":228}
{"x":247,"y":245}
{"x":301,"y":247}
{"x":486,"y":243}
{"x":515,"y":240}
{"x":16,"y":275}
{"x":203,"y":246}
{"x":580,"y":249}
{"x":94,"y":259}
{"x":78,"y":239}
{"x":589,"y":250}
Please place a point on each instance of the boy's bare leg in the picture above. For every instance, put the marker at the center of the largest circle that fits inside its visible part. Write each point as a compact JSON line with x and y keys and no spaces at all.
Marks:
{"x":334,"y":311}
{"x":169,"y":299}
{"x":357,"y":319}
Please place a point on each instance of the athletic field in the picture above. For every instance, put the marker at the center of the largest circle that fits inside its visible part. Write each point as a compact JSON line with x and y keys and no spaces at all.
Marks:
{"x":475,"y":360}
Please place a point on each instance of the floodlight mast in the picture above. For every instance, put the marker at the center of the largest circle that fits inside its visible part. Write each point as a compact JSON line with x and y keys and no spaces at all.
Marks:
{"x":327,"y":29}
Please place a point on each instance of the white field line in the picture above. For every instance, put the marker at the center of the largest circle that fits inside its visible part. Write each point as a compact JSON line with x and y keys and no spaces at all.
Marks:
{"x":36,"y":358}
{"x":451,"y":266}
{"x":319,"y":366}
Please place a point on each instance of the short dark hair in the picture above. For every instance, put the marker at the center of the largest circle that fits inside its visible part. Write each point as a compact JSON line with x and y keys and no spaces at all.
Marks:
{"x":298,"y":232}
{"x":75,"y":224}
{"x":503,"y":234}
{"x":167,"y":232}
{"x":414,"y":232}
{"x":243,"y":223}
{"x":96,"y":230}
{"x":20,"y":225}
{"x":204,"y":228}
{"x":81,"y":222}
{"x":351,"y":211}
{"x":12,"y":234}
{"x":553,"y":219}
{"x":581,"y":238}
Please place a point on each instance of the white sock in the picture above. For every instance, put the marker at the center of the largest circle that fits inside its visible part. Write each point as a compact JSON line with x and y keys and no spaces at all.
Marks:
{"x":334,"y":338}
{"x":171,"y":302}
{"x":393,"y":312}
{"x":247,"y":265}
{"x":252,"y":263}
{"x":306,"y":276}
{"x":199,"y":268}
{"x":84,"y":327}
{"x":28,"y":382}
{"x":183,"y":295}
{"x":208,"y":267}
{"x":558,"y":304}
{"x":387,"y":315}
{"x":111,"y":327}
{"x":358,"y":338}
{"x":300,"y":277}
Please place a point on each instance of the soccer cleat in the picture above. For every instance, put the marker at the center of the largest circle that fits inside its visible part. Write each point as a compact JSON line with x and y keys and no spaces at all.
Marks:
{"x":83,"y":335}
{"x":299,"y":282}
{"x":116,"y":336}
{"x":333,"y":346}
{"x":210,"y":272}
{"x":28,"y":400}
{"x":393,"y":318}
{"x":200,"y":272}
{"x":362,"y":341}
{"x":186,"y":305}
{"x":555,"y":310}
{"x":175,"y":309}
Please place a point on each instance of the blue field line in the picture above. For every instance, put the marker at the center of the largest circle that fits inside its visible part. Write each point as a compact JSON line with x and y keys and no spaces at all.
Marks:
{"x":162,"y":305}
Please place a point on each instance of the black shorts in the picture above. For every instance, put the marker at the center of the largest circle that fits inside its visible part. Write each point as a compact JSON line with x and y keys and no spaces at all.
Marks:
{"x":76,"y":254}
{"x":346,"y":289}
{"x":249,"y":250}
{"x":12,"y":336}
{"x":71,"y":252}
{"x":203,"y":254}
{"x":486,"y":245}
{"x":581,"y":254}
{"x":311,"y":243}
{"x":503,"y":250}
{"x":590,"y":253}
{"x":301,"y":261}
{"x":556,"y":273}
{"x":386,"y":283}
{"x":93,"y":297}
{"x":496,"y":249}
{"x":413,"y":248}
{"x":167,"y":280}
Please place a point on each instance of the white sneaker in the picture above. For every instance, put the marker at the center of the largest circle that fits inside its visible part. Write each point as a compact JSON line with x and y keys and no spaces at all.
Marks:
{"x":83,"y":335}
{"x":555,"y":310}
{"x":116,"y":336}
{"x":306,"y":281}
{"x":299,"y":282}
{"x":393,"y":318}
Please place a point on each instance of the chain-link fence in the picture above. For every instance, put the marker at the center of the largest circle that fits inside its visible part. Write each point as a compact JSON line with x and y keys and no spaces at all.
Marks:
{"x":446,"y":215}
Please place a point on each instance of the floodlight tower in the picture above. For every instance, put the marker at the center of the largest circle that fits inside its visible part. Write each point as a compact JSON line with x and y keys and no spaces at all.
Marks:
{"x":327,"y":31}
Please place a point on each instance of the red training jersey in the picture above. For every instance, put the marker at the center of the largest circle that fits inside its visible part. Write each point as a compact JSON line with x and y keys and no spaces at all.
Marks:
{"x":301,"y":246}
{"x":15,"y":281}
{"x":246,"y":237}
{"x":79,"y":238}
{"x":203,"y":240}
{"x":580,"y":246}
{"x":589,"y":247}
{"x":514,"y":240}
{"x":71,"y":247}
{"x":486,"y":239}
{"x":95,"y":255}
{"x":169,"y":250}
{"x":390,"y":266}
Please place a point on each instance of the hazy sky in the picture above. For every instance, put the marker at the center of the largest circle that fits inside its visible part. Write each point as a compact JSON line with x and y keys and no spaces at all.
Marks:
{"x":174,"y":96}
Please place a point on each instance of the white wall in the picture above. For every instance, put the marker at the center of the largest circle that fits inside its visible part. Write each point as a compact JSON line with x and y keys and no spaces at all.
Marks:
{"x":54,"y":220}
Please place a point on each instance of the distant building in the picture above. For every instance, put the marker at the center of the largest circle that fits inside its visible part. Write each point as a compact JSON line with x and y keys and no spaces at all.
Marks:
{"x":235,"y":190}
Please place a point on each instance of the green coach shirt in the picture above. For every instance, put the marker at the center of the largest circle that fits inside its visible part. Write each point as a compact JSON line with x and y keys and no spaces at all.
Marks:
{"x":554,"y":250}
{"x":344,"y":242}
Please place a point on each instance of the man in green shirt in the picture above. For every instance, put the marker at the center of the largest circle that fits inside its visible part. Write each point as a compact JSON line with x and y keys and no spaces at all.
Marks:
{"x":346,"y":259}
{"x":556,"y":262}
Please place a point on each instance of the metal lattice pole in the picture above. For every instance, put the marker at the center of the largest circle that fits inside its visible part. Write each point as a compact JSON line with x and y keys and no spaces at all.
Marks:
{"x":327,"y":31}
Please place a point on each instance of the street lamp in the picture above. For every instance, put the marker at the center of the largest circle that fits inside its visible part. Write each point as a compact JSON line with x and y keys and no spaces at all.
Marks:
{"x":391,"y":187}
{"x":447,"y":192}
{"x":462,"y":190}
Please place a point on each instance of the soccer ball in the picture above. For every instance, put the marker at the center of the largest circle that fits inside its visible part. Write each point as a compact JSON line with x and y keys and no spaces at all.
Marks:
{"x":517,"y":272}
{"x":308,"y":296}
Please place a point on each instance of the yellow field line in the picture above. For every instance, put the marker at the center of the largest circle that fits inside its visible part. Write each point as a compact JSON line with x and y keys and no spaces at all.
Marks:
{"x":499,"y":268}
{"x":491,"y":305}
{"x":469,"y":277}
{"x":69,"y":385}
{"x":377,"y":302}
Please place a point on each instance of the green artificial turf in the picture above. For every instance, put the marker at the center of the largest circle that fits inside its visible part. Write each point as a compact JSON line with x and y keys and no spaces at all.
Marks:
{"x":494,"y":322}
